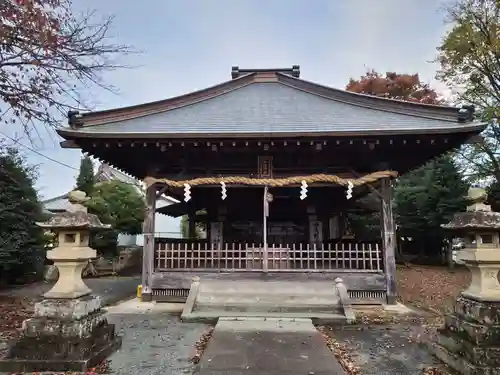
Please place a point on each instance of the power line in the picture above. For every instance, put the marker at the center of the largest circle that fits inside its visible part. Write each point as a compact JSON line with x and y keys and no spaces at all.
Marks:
{"x":39,"y":153}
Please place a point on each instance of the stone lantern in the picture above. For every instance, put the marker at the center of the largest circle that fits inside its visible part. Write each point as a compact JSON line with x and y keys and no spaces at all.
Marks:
{"x":73,"y":253}
{"x":69,"y":330}
{"x":469,"y":342}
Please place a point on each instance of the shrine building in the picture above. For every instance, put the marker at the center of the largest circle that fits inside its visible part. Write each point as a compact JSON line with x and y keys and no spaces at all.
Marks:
{"x":266,"y":165}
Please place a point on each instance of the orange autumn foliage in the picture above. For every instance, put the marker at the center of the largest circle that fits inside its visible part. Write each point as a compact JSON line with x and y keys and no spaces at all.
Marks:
{"x":407,"y":87}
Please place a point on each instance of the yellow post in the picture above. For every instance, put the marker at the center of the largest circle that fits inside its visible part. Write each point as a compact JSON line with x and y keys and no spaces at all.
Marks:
{"x":139,"y":291}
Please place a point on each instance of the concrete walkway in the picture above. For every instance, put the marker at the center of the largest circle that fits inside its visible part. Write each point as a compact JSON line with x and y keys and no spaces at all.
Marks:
{"x":258,"y":346}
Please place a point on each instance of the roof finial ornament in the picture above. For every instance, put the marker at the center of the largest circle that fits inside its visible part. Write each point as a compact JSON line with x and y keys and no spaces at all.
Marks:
{"x":477,"y":197}
{"x":72,"y":118}
{"x":77,"y":199}
{"x":466,"y":113}
{"x":237,"y":72}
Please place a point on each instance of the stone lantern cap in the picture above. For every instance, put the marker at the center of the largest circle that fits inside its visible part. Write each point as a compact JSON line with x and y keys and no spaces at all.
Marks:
{"x":76,"y":218}
{"x":477,"y":216}
{"x":475,"y":220}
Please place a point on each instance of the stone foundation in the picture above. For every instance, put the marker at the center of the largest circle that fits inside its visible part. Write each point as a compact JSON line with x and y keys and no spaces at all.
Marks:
{"x":63,"y":335}
{"x":469,"y":342}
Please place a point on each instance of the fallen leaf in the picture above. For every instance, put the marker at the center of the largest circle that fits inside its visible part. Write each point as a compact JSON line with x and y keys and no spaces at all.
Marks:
{"x":201,"y":344}
{"x":340,"y":352}
{"x":432,"y":288}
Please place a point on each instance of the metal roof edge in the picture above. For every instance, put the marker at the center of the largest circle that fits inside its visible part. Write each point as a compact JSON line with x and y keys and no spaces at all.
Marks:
{"x":62,"y":196}
{"x":455,"y":127}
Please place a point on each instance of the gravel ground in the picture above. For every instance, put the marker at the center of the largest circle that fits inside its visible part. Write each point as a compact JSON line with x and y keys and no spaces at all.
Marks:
{"x":394,"y":349}
{"x":111,"y":289}
{"x":154,"y":343}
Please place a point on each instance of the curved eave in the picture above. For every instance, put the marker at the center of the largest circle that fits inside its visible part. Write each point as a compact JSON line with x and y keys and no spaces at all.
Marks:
{"x":144,"y":109}
{"x":468,"y":227}
{"x":472,"y":127}
{"x":73,"y":226}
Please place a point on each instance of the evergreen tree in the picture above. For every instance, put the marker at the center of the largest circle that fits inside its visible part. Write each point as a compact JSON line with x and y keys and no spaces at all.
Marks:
{"x":21,"y":240}
{"x":494,"y":196}
{"x":86,"y":179}
{"x":119,"y":204}
{"x":427,"y":198}
{"x":184,"y":227}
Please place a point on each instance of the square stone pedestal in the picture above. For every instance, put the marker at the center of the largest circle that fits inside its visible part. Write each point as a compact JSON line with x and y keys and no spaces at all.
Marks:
{"x":469,"y":342}
{"x":63,"y":335}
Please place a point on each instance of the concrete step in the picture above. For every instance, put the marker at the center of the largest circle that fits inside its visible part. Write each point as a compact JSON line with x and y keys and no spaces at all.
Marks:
{"x":213,"y":316}
{"x":209,"y":300}
{"x":269,"y":308}
{"x":267,"y":287}
{"x":328,"y":294}
{"x":268,"y":299}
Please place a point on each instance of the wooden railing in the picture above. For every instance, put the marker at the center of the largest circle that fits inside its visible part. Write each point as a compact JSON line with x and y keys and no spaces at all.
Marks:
{"x":327,"y":257}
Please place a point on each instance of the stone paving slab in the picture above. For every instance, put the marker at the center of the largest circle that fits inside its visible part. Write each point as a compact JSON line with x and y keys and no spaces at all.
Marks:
{"x":257,"y":346}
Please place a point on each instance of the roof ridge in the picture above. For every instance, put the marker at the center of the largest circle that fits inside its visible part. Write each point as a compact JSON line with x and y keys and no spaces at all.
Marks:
{"x":66,"y":195}
{"x":410,"y":107}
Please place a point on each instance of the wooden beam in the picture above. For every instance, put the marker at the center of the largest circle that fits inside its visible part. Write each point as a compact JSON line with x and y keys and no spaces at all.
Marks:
{"x":149,"y":244}
{"x":68,"y":144}
{"x":161,"y":191}
{"x":388,"y":240}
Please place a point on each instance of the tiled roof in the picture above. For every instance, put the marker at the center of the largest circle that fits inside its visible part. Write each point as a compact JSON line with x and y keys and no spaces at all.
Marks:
{"x":107,"y":173}
{"x":274,"y":104}
{"x":104,"y":173}
{"x":57,"y":204}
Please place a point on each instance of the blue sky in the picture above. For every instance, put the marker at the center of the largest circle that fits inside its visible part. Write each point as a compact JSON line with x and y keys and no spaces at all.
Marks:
{"x":191,"y":44}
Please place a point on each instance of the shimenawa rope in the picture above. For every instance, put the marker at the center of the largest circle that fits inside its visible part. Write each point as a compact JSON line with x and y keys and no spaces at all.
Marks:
{"x":279,"y":182}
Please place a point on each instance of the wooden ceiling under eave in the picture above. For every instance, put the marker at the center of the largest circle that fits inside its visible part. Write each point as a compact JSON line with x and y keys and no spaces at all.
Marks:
{"x":191,"y":159}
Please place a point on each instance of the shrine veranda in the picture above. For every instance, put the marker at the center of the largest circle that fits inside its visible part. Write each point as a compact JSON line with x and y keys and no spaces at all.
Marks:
{"x":268,"y":165}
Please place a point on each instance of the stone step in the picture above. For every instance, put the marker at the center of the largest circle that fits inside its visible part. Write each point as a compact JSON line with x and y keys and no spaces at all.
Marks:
{"x":213,"y":316}
{"x":268,"y":299}
{"x":212,"y":299}
{"x":269,"y":287}
{"x":269,"y":308}
{"x":245,"y":294}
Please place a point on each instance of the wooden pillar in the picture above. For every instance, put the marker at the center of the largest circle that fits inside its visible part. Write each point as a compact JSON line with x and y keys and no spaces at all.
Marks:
{"x":191,"y":226}
{"x":388,"y":240}
{"x":209,"y":231}
{"x":148,"y":253}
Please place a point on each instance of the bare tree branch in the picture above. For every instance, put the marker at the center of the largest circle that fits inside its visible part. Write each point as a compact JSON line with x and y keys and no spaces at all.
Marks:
{"x":47,"y":57}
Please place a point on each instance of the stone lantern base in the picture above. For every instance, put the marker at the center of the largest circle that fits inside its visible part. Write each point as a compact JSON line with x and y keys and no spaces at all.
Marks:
{"x":63,"y":335}
{"x":469,"y":342}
